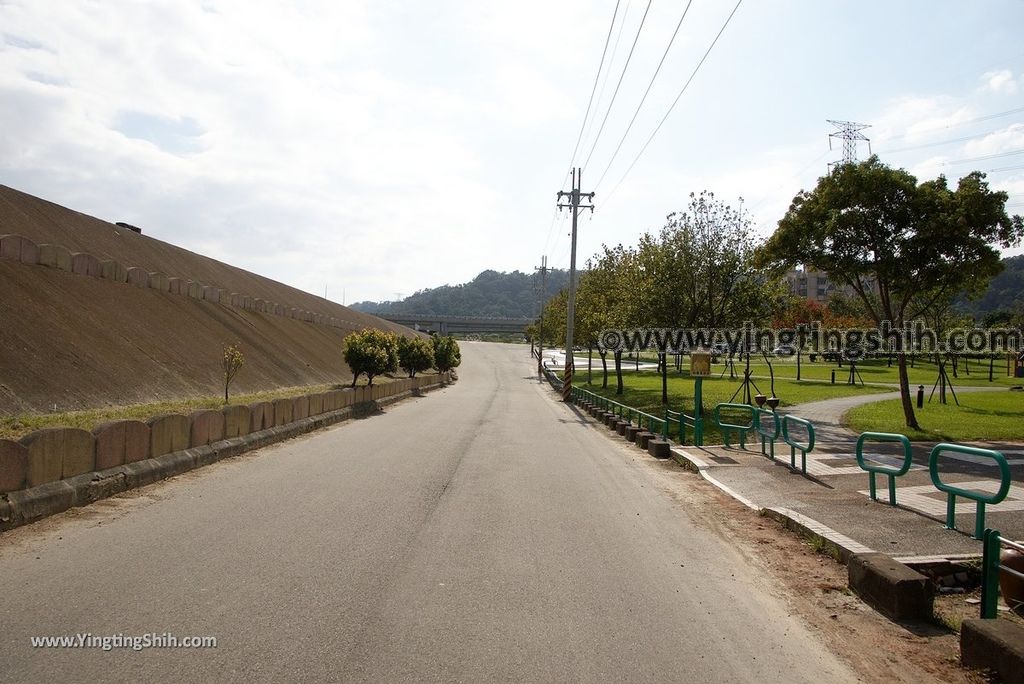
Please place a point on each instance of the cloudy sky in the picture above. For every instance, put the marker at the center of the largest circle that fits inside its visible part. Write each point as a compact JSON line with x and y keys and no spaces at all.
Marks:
{"x":377,"y":148}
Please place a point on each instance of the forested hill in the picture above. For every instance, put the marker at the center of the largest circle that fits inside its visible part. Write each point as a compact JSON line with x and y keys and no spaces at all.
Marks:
{"x":1004,"y":294}
{"x":492,"y":293}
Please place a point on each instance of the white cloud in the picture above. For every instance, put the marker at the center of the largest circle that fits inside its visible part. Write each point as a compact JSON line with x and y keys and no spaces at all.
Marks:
{"x":1001,"y":82}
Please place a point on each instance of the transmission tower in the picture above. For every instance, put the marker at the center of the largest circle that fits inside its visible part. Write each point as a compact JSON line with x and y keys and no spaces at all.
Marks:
{"x":850,"y":132}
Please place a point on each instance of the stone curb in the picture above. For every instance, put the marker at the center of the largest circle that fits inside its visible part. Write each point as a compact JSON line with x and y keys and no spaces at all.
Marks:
{"x":29,"y":505}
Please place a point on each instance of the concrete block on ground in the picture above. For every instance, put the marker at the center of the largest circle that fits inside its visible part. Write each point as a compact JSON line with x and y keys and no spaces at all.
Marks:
{"x":631,"y":433}
{"x":995,"y":645}
{"x":55,"y":256}
{"x":316,"y":404}
{"x":58,"y":453}
{"x":86,"y":264}
{"x":170,"y":432}
{"x":278,"y":309}
{"x":643,"y":438}
{"x":19,"y":248}
{"x":259,"y":305}
{"x":207,"y":427}
{"x":261,"y":416}
{"x":236,"y":421}
{"x":195,"y":290}
{"x":113,"y":270}
{"x":300,"y":408}
{"x":891,"y":587}
{"x":13,"y":465}
{"x":159,"y":281}
{"x":119,"y":442}
{"x":347,"y":398}
{"x":659,"y":448}
{"x":177,"y":286}
{"x":211,"y":294}
{"x":236,"y":299}
{"x":139,"y":277}
{"x":621,"y":426}
{"x":283,"y":411}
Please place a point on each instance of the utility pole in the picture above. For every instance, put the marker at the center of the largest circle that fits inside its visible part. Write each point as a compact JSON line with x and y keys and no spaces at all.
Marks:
{"x":543,"y":296}
{"x":850,"y":133}
{"x":574,"y":203}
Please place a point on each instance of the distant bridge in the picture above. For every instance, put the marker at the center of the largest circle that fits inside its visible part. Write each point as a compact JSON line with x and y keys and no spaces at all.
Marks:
{"x":459,"y":324}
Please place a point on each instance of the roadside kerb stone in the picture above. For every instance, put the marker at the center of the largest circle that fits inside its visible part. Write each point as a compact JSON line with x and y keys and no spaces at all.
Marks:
{"x":261,"y":416}
{"x":994,"y":644}
{"x":13,"y":465}
{"x":207,"y":427}
{"x":119,"y":442}
{"x":168,"y":433}
{"x":57,"y":453}
{"x":891,"y":587}
{"x":236,"y":421}
{"x":659,"y":448}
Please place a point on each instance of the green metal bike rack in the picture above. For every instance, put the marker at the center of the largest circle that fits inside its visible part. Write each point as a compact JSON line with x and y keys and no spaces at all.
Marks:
{"x":767,"y":435}
{"x":728,"y":428}
{"x":804,"y":447}
{"x":873,"y":468}
{"x":991,"y":544}
{"x":980,"y":498}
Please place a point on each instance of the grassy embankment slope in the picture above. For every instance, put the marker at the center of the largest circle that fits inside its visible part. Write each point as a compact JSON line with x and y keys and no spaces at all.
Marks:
{"x":85,"y":343}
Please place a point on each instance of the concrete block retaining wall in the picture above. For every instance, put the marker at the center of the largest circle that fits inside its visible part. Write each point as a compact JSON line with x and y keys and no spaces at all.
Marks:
{"x":24,"y":250}
{"x":54,"y":469}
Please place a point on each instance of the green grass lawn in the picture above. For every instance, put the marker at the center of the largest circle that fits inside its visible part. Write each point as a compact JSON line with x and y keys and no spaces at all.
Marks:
{"x":971,"y":372}
{"x":643,"y":391}
{"x":980,"y":416}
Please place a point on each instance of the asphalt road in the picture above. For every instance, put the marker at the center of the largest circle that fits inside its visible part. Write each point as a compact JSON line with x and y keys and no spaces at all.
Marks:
{"x":481,"y":533}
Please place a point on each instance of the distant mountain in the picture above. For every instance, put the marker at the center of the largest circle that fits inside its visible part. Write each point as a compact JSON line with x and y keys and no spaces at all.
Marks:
{"x":492,"y":293}
{"x":1004,"y":293}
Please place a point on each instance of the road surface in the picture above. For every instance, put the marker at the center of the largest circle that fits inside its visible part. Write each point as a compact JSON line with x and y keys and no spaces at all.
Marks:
{"x":482,"y":533}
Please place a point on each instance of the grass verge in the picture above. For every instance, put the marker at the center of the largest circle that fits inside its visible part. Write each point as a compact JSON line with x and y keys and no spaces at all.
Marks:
{"x":980,"y":416}
{"x":15,"y":427}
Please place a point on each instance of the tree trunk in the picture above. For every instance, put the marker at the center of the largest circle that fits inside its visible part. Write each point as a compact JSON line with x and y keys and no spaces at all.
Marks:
{"x":604,"y":367}
{"x":908,"y":404}
{"x":618,"y":372}
{"x":225,"y":394}
{"x":354,"y":378}
{"x":664,"y":378}
{"x":590,"y":362}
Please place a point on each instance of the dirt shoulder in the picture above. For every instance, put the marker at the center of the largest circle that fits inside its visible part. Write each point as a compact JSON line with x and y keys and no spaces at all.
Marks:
{"x":815,"y":586}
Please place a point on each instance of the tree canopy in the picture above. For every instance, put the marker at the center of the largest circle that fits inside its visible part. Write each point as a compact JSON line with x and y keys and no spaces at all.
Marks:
{"x":903,"y":247}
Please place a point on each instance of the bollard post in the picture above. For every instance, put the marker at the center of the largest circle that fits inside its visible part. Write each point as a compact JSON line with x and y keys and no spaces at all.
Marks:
{"x":833,"y":376}
{"x":920,"y":396}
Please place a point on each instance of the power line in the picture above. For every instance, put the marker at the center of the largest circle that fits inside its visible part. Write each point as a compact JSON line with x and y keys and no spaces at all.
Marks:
{"x":1006,"y":168}
{"x":646,"y":93}
{"x":676,"y":101}
{"x":968,"y":160}
{"x":608,"y":71}
{"x":619,"y":84}
{"x":597,"y":77}
{"x":938,"y":143}
{"x":986,"y":117}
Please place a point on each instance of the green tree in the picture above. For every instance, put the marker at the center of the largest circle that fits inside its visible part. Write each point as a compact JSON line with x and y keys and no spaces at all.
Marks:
{"x":371,"y":352}
{"x":415,"y":354}
{"x":900,"y":245}
{"x":446,"y":353}
{"x":699,"y":271}
{"x":232,"y":361}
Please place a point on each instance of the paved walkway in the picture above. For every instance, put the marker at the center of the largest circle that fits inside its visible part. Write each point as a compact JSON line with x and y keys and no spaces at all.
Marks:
{"x":834,"y":490}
